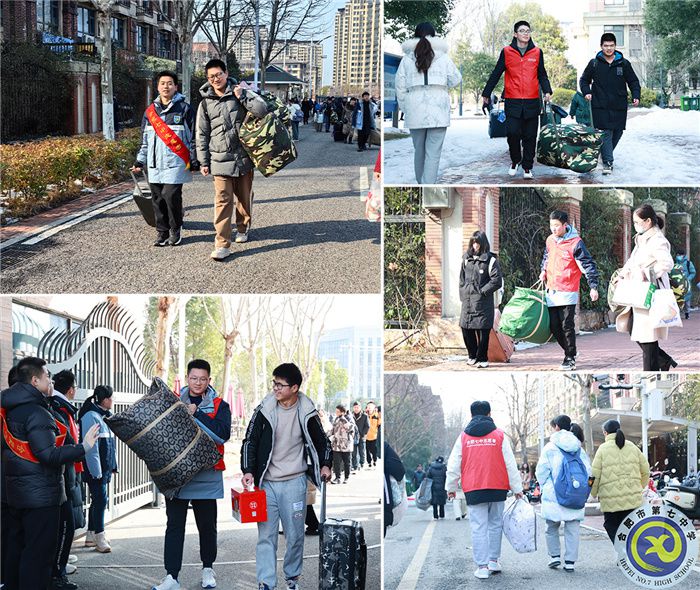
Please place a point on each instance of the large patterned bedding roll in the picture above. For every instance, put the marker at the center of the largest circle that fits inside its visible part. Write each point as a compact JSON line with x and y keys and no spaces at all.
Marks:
{"x":160,"y":430}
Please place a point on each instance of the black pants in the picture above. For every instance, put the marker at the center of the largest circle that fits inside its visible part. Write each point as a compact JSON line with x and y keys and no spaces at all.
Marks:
{"x":561,"y":324}
{"x":66,"y":532}
{"x":477,"y":343}
{"x":371,"y":452}
{"x":341,"y":459}
{"x":358,"y":455}
{"x":5,"y":532}
{"x":522,"y":131}
{"x":612,"y":520}
{"x":654,"y":357}
{"x":362,"y":137}
{"x":205,"y":517}
{"x":306,"y":117}
{"x":311,"y":520}
{"x":440,"y":509}
{"x":31,"y":550}
{"x":167,"y":206}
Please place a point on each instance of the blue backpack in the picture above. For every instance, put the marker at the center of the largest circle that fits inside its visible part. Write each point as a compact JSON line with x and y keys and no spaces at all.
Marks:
{"x":571,"y":486}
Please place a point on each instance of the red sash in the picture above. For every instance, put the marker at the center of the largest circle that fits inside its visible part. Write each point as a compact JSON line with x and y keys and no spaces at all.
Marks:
{"x":21,"y":448}
{"x":73,"y":428}
{"x":168,"y":136}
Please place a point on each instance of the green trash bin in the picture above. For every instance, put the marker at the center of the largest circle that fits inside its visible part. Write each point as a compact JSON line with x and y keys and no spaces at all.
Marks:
{"x":694,"y":103}
{"x":685,"y":103}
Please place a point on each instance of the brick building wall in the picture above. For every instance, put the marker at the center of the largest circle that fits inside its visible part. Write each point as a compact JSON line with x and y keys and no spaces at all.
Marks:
{"x":18,"y":20}
{"x":433,"y":265}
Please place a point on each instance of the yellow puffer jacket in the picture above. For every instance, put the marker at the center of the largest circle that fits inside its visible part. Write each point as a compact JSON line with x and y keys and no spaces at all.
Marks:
{"x":620,"y":475}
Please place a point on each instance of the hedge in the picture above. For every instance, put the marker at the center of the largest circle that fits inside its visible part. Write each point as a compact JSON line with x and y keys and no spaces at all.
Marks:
{"x":39,"y":175}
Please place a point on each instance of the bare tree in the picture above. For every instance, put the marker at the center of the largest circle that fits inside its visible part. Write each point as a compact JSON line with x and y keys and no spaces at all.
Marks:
{"x":585,"y":382}
{"x":165,"y":322}
{"x":521,"y":399}
{"x":255,"y":313}
{"x":221,"y":25}
{"x":103,"y":9}
{"x":188,"y":18}
{"x":232,"y":311}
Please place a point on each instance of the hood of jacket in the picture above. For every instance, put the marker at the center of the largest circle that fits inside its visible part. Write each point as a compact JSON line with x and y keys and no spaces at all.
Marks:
{"x":530,"y":45}
{"x":566,"y":441}
{"x":570,"y":234}
{"x":480,"y":426}
{"x":439,"y":45}
{"x":618,"y":57}
{"x":177,"y":97}
{"x":207,"y":90}
{"x":207,"y":398}
{"x":20,"y":394}
{"x":268,"y":405}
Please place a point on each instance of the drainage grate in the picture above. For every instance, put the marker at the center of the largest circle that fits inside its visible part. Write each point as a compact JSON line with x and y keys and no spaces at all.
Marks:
{"x":15,"y":256}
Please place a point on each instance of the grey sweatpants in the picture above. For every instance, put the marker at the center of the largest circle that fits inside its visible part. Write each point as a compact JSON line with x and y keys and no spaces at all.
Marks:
{"x":427,"y":146}
{"x":571,"y":539}
{"x":486,"y":521}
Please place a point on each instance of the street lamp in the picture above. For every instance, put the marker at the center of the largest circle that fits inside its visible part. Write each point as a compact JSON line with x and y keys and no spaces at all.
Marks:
{"x":460,"y":89}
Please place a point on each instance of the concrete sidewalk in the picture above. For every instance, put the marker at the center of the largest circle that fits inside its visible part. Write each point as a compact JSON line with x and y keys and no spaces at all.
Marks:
{"x":136,"y":560}
{"x":602,"y":351}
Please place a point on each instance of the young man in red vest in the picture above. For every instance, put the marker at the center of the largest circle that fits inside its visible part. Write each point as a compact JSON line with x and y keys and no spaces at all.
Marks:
{"x":526,"y":77}
{"x":213,"y":416}
{"x":565,"y":259}
{"x":483,"y":460}
{"x":34,"y":452}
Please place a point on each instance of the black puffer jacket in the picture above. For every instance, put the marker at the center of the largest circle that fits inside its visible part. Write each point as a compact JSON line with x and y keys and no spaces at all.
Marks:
{"x":438,"y":473}
{"x":71,"y":481}
{"x":608,"y":83}
{"x":29,"y":484}
{"x":479,"y":279}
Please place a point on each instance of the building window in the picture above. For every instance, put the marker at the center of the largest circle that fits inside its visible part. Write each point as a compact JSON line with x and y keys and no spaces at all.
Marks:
{"x":618,"y":31}
{"x":47,"y":15}
{"x":86,"y":22}
{"x":142,"y":39}
{"x":119,"y":32}
{"x":164,"y":44}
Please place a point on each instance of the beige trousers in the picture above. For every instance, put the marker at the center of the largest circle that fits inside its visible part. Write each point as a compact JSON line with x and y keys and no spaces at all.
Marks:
{"x":232,"y":190}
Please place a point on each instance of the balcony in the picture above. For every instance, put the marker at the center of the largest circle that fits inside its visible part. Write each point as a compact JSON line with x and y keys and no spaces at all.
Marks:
{"x":73,"y":49}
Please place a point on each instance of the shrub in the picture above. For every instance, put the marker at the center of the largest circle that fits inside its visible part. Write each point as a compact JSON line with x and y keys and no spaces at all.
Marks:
{"x":648,"y":98}
{"x":39,"y":175}
{"x":563,"y":96}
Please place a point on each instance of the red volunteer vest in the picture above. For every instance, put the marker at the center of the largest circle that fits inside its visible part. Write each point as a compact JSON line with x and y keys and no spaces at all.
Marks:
{"x":563,"y":272}
{"x":521,"y":73}
{"x":220,"y":466}
{"x":483,"y":466}
{"x":73,"y":429}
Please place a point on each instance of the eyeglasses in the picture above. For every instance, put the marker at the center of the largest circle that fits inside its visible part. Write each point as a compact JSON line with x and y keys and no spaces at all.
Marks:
{"x":278,"y":385}
{"x":524,"y":31}
{"x":216,"y":76}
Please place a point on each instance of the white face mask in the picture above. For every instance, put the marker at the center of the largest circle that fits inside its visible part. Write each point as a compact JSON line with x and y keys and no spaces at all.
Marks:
{"x":639,"y":228}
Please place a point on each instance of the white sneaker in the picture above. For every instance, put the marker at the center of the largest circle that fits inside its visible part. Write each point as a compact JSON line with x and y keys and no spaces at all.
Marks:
{"x":72,"y":558}
{"x":527,"y":173}
{"x":90,"y":539}
{"x":208,"y":578}
{"x":568,"y":567}
{"x":482,"y":573}
{"x":495,"y":566}
{"x":220,"y":253}
{"x":168,"y":583}
{"x":292,"y":585}
{"x":483,"y":365}
{"x":101,"y":543}
{"x":241,"y":237}
{"x":471,"y":362}
{"x":70,"y":569}
{"x":554,"y":563}
{"x":513,"y":170}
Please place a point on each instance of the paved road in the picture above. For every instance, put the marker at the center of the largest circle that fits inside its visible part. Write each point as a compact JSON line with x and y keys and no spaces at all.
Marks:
{"x":309,"y":236}
{"x":437,"y":555}
{"x":136,"y":560}
{"x":605,"y":350}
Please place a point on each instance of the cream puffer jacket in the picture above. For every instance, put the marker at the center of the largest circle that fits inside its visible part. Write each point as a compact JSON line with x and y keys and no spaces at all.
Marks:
{"x":425,"y":100}
{"x":620,"y":475}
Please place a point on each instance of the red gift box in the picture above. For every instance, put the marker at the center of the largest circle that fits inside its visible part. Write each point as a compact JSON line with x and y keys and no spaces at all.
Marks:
{"x":249,"y":506}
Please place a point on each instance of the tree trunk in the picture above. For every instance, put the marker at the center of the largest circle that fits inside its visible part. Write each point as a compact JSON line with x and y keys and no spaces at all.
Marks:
{"x":186,"y":41}
{"x":586,"y":411}
{"x":229,"y":340}
{"x":162,"y":338}
{"x":105,"y":47}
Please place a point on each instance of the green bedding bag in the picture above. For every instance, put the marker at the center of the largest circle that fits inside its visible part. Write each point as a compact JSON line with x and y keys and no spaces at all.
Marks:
{"x":525,"y":316}
{"x":268,"y":140}
{"x":574,"y":147}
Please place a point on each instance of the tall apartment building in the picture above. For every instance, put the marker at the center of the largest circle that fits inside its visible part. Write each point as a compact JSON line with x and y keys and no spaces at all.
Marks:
{"x":357,"y":47}
{"x":301,"y":59}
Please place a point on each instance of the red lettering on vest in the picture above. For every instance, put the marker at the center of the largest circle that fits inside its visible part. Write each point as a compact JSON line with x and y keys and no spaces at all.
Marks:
{"x":168,"y":136}
{"x":563,"y":272}
{"x":521,"y":73}
{"x":483,"y":465}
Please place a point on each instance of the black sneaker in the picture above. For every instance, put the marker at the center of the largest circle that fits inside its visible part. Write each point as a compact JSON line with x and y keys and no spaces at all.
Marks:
{"x":162,"y":239}
{"x":63,"y":583}
{"x":175,"y":237}
{"x":607,"y":168}
{"x":569,"y":364}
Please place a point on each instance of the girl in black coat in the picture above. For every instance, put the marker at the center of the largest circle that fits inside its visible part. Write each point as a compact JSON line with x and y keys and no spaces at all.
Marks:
{"x":438,"y":473}
{"x":479,"y":279}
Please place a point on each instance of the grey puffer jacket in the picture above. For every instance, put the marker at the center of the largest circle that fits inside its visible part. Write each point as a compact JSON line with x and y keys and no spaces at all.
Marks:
{"x":219,"y":120}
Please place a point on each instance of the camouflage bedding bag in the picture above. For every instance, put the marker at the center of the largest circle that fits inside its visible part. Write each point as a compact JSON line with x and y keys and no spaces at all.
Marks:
{"x":268,"y":140}
{"x":575,"y":147}
{"x":160,"y":431}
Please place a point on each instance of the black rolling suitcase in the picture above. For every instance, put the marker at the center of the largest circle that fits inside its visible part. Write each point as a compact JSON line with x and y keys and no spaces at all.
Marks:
{"x":142,"y":198}
{"x":338,"y":134}
{"x":342,"y":563}
{"x":497,"y":122}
